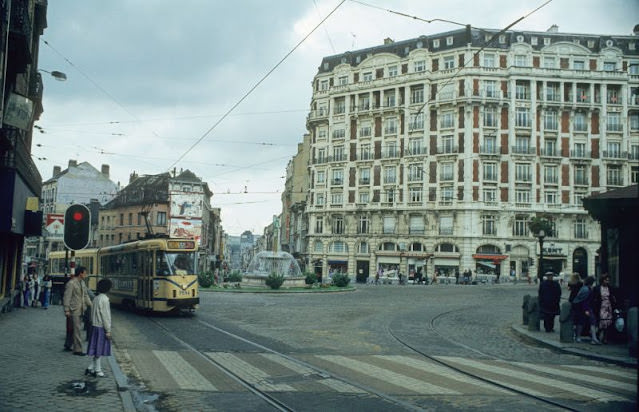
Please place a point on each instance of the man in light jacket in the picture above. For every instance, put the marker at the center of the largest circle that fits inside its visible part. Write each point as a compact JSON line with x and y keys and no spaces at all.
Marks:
{"x":76,"y":301}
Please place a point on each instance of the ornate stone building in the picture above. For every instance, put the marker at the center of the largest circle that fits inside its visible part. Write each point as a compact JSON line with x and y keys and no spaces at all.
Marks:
{"x":432,"y":154}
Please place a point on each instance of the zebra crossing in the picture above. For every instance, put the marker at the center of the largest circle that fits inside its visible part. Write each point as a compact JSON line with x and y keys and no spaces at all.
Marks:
{"x":391,"y":374}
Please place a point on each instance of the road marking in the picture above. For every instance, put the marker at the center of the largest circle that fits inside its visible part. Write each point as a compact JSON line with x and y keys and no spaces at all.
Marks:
{"x":577,"y":390}
{"x":600,"y":381}
{"x":622,"y":373}
{"x":248,"y":372}
{"x":334,"y":384}
{"x":185,"y":375}
{"x":387,"y":376}
{"x":432,"y":367}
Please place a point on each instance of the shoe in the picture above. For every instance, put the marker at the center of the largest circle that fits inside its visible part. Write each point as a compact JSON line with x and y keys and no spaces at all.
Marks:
{"x":97,"y":374}
{"x":595,"y":342}
{"x":79,"y":354}
{"x":578,"y":340}
{"x":89,"y":371}
{"x":67,"y":349}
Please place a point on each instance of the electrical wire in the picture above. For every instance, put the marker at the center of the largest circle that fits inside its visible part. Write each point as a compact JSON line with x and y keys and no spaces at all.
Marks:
{"x":255,"y":86}
{"x":407,"y":15}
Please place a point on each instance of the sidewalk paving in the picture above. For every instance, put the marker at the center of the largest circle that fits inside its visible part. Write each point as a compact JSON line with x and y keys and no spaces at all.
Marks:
{"x":617,"y":353}
{"x":37,"y":374}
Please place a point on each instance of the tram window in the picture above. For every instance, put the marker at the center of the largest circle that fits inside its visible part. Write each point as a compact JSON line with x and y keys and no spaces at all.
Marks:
{"x":174,"y":263}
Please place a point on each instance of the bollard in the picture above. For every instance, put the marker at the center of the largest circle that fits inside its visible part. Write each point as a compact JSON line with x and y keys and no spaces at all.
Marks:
{"x":524,"y":310}
{"x":533,"y":313}
{"x":566,"y":325}
{"x":631,"y":327}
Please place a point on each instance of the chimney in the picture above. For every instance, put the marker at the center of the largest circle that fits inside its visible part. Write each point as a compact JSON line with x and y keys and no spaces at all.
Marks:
{"x":73,"y":163}
{"x":105,"y":171}
{"x":56,"y":170}
{"x":132,"y":177}
{"x":553,"y":29}
{"x":635,"y":30}
{"x":388,"y":40}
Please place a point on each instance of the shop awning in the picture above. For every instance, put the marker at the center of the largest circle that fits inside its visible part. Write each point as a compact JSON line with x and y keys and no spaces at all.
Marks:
{"x":487,"y":264}
{"x":490,"y":257}
{"x":554,"y":257}
{"x":337,"y":262}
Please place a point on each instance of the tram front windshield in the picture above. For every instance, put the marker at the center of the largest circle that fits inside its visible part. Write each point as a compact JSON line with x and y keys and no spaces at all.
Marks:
{"x":175,"y":263}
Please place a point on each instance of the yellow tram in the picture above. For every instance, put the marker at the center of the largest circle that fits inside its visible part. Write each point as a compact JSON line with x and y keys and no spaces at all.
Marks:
{"x":155,"y":275}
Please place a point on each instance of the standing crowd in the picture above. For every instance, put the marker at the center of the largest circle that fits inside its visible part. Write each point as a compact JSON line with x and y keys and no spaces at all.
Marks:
{"x":592,"y":307}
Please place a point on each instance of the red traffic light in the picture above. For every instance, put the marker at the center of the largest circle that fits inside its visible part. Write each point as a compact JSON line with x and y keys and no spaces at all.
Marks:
{"x":78,"y":216}
{"x":77,"y":227}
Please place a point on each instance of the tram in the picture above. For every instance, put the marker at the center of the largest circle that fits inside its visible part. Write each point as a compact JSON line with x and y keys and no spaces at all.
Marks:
{"x":154,"y":275}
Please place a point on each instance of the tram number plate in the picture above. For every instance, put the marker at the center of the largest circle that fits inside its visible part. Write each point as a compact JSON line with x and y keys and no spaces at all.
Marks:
{"x":184,"y":292}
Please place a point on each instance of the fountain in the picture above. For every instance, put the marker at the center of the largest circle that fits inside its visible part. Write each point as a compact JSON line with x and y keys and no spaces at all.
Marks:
{"x":266,"y":262}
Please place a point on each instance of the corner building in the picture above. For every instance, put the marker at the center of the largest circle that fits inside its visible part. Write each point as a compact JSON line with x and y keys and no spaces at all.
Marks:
{"x":433,"y":154}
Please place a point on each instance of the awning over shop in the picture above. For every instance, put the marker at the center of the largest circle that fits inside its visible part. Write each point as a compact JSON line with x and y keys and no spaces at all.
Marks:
{"x":487,"y":264}
{"x":337,"y":262}
{"x":497,"y":258}
{"x":558,"y":257}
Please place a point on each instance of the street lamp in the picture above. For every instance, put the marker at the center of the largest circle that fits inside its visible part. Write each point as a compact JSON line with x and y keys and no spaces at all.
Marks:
{"x":541,"y":235}
{"x":59,"y":76}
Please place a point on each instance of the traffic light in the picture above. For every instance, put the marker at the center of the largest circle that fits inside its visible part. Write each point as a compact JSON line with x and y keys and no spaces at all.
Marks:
{"x":77,"y":224}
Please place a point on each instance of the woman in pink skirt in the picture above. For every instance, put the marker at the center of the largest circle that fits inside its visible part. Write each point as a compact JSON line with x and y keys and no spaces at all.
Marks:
{"x":100,"y":341}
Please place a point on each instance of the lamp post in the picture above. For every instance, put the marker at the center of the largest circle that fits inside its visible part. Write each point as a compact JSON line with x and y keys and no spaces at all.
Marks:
{"x":541,"y":235}
{"x":59,"y":76}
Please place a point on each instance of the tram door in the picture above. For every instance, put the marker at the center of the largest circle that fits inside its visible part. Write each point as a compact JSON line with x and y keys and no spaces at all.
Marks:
{"x":145,"y":281}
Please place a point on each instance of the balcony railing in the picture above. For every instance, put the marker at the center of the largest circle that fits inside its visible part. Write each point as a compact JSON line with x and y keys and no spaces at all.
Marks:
{"x":525,"y":150}
{"x":389,"y":154}
{"x":549,"y":152}
{"x":447,"y":150}
{"x":365,"y":156}
{"x":614,"y":154}
{"x":337,"y":182}
{"x":489,"y":150}
{"x":338,"y":158}
{"x":364,"y":181}
{"x":415,"y":151}
{"x":580,"y":154}
{"x":581,"y":182}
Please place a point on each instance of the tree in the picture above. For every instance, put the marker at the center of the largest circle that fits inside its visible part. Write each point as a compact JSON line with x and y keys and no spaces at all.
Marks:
{"x":538,"y":223}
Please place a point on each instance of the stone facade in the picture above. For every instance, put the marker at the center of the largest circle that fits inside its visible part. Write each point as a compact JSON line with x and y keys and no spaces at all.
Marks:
{"x":432,"y":154}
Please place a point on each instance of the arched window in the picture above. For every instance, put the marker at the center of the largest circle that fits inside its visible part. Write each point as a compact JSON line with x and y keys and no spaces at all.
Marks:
{"x":318,"y":246}
{"x":388,"y":246}
{"x":447,"y":247}
{"x":417,"y":247}
{"x":488,"y":250}
{"x":338,"y":247}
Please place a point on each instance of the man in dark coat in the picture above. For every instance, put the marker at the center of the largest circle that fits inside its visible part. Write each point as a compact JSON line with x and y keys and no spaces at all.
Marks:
{"x":549,"y":296}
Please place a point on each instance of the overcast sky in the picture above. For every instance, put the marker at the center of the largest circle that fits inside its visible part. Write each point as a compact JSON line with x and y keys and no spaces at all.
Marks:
{"x":147,"y":79}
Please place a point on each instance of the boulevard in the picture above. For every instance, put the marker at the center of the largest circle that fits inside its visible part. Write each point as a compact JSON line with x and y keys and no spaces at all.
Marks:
{"x":375,"y":348}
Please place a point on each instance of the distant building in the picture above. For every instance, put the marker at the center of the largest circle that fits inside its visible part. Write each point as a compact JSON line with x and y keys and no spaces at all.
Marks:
{"x":432,"y":154}
{"x":176,"y":206}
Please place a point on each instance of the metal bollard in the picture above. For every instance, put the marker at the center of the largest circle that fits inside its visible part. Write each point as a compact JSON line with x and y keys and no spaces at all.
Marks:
{"x":533,"y":313}
{"x":566,"y":325}
{"x":524,"y":310}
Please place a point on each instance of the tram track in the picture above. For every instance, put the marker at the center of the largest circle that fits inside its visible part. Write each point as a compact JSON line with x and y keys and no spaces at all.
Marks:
{"x":432,"y":329}
{"x":264,"y":395}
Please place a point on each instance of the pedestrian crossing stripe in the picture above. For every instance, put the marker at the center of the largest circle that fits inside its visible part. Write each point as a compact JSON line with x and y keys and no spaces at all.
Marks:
{"x":601,"y":381}
{"x":409,"y":374}
{"x":248,"y":373}
{"x":334,"y":384}
{"x":506,"y":376}
{"x":185,"y":375}
{"x":388,"y":376}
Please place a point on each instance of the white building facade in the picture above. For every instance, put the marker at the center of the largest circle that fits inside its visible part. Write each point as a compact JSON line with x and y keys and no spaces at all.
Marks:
{"x":432,"y":154}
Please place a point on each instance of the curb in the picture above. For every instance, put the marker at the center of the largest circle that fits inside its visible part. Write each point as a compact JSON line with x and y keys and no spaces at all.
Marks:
{"x":123,"y":385}
{"x":623,"y":361}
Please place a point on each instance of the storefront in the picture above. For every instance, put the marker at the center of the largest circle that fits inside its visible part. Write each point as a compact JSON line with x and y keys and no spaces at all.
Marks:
{"x":520,"y":262}
{"x":445,"y":266}
{"x":337,"y":266}
{"x":488,"y":264}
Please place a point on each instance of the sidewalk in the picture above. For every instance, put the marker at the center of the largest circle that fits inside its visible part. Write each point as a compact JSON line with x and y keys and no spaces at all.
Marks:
{"x":38,"y":375}
{"x":614,"y":352}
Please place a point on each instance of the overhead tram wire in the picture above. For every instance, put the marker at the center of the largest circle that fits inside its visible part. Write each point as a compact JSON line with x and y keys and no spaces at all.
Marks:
{"x":255,"y":86}
{"x":407,"y":15}
{"x":94,"y":83}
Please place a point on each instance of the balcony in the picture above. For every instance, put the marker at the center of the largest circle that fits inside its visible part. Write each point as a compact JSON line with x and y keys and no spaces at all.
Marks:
{"x":365,"y":156}
{"x":415,"y":151}
{"x":614,"y":154}
{"x":522,"y":150}
{"x":338,"y":158}
{"x":523,"y":178}
{"x":364,"y":181}
{"x":617,"y":181}
{"x":581,"y":181}
{"x":337,"y":182}
{"x":545,"y":152}
{"x":633,"y":156}
{"x":447,"y":149}
{"x":319,"y":160}
{"x":489,"y":150}
{"x":390,"y":154}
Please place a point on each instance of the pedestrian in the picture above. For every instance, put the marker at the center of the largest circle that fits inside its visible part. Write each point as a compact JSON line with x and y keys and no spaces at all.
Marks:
{"x":100,"y":341}
{"x":76,"y":300}
{"x":604,"y":305}
{"x":36,"y":290}
{"x":47,"y":284}
{"x":27,"y":286}
{"x":549,"y":296}
{"x":574,"y":285}
{"x":585,"y":311}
